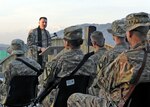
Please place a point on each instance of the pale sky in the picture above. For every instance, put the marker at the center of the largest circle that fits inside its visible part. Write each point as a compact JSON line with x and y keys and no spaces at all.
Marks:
{"x":17,"y":17}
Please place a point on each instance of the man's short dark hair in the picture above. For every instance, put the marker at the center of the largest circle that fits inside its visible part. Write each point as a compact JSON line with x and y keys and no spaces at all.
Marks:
{"x":42,"y":18}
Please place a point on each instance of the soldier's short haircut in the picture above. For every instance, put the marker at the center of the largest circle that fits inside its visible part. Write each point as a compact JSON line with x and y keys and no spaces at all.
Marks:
{"x":141,"y":31}
{"x":98,"y":37}
{"x":42,"y":18}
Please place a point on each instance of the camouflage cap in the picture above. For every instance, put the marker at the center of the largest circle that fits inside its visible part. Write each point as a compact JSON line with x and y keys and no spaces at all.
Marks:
{"x":73,"y":33}
{"x":117,"y":28}
{"x":18,"y":46}
{"x":135,"y":20}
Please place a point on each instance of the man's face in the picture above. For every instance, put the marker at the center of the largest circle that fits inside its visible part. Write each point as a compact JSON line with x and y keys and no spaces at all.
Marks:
{"x":43,"y":23}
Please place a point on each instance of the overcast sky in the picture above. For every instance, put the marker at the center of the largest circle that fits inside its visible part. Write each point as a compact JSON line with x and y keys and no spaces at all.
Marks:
{"x":17,"y":17}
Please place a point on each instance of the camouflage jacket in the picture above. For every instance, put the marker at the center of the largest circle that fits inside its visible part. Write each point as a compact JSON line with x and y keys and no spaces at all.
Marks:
{"x":32,"y":42}
{"x":109,"y":56}
{"x":97,"y":55}
{"x":4,"y":63}
{"x":65,"y":63}
{"x":115,"y":79}
{"x":14,"y":68}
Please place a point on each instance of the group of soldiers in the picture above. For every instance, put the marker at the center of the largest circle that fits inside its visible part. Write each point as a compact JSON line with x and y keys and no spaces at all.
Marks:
{"x":112,"y":71}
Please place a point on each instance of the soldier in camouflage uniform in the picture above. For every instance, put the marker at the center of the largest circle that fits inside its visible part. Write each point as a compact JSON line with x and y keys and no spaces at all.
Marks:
{"x":98,"y":42}
{"x":16,"y":67}
{"x":33,"y":43}
{"x":121,"y":73}
{"x":118,"y":33}
{"x":65,"y":63}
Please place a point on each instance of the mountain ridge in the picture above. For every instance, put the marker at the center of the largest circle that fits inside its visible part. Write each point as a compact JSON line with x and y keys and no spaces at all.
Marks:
{"x":3,"y":46}
{"x":99,"y":27}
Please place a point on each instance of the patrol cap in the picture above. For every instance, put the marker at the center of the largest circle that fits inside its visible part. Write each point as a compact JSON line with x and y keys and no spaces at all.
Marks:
{"x":18,"y":46}
{"x":117,"y":28}
{"x":135,"y":20}
{"x":73,"y":33}
{"x":98,"y":37}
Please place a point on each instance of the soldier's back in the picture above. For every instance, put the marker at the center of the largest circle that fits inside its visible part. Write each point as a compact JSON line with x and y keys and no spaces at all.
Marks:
{"x":69,"y":60}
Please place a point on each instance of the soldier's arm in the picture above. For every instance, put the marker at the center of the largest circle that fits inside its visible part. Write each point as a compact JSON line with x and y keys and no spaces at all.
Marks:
{"x":5,"y":83}
{"x":50,"y":68}
{"x":31,"y":40}
{"x":7,"y":74}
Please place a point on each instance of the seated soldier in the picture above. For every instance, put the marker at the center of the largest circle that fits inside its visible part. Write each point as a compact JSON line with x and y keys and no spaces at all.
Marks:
{"x":15,"y":67}
{"x":98,"y":42}
{"x":63,"y":64}
{"x":118,"y":33}
{"x":123,"y":71}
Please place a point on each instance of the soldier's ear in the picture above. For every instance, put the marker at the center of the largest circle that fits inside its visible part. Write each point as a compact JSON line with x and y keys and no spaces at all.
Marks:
{"x":94,"y":43}
{"x":67,"y":43}
{"x":129,"y":33}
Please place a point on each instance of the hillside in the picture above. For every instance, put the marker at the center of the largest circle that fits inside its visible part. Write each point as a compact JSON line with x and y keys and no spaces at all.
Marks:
{"x":3,"y":46}
{"x":100,"y":27}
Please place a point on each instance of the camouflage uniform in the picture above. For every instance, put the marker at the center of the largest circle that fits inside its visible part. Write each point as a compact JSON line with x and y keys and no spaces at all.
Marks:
{"x":98,"y":40}
{"x":117,"y":30}
{"x":15,"y":67}
{"x":5,"y":62}
{"x":110,"y":55}
{"x":118,"y":75}
{"x":65,"y":63}
{"x":32,"y":42}
{"x":97,"y":55}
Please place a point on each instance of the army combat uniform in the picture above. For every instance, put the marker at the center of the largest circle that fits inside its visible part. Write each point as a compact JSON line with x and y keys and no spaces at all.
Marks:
{"x":32,"y":42}
{"x":97,"y":55}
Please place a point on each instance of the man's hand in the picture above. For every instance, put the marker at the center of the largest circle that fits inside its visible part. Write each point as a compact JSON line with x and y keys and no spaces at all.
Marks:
{"x":42,"y":50}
